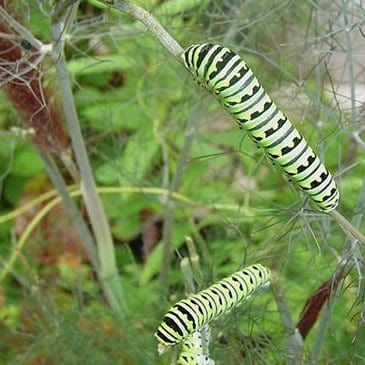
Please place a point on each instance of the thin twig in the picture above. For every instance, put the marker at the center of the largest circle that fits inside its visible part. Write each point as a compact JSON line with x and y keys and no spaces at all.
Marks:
{"x":21,"y":242}
{"x":74,"y":191}
{"x":152,"y":25}
{"x":169,"y":211}
{"x":20,"y":279}
{"x":72,"y":210}
{"x":347,"y":226}
{"x":293,"y":339}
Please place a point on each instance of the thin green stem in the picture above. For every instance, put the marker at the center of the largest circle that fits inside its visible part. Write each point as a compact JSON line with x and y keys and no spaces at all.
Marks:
{"x":8,"y":266}
{"x":293,"y":339}
{"x":169,"y":210}
{"x":72,"y":210}
{"x":152,"y":25}
{"x":20,"y":279}
{"x":347,"y":251}
{"x":74,"y":191}
{"x":347,"y":226}
{"x":194,"y":260}
{"x":109,"y":275}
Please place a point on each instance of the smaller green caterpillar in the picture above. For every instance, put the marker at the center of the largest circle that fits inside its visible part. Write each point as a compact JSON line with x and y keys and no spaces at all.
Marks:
{"x":190,"y":315}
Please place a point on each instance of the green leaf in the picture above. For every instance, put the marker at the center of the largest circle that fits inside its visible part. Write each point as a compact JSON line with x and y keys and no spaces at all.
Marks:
{"x":13,"y":187}
{"x":115,"y":116}
{"x":108,"y":174}
{"x":87,"y":65}
{"x":138,"y":157}
{"x":177,"y":6}
{"x":152,"y":265}
{"x":26,"y":163}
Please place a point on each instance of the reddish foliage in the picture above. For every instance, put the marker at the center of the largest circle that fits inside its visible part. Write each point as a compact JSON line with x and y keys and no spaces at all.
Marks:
{"x":22,"y":83}
{"x":315,"y":303}
{"x":54,"y":239}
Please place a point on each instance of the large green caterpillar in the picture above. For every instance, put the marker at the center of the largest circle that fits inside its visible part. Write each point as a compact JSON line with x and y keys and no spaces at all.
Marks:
{"x":192,"y":314}
{"x":225,"y":74}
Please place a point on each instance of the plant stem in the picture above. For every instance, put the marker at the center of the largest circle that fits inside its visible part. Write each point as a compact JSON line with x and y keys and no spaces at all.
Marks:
{"x":347,"y":226}
{"x":293,"y":339}
{"x":169,"y":212}
{"x":153,"y":26}
{"x":72,"y":210}
{"x":109,"y":275}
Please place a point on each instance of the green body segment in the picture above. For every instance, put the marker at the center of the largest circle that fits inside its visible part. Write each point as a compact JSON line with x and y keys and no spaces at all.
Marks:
{"x":192,"y":314}
{"x":226,"y":75}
